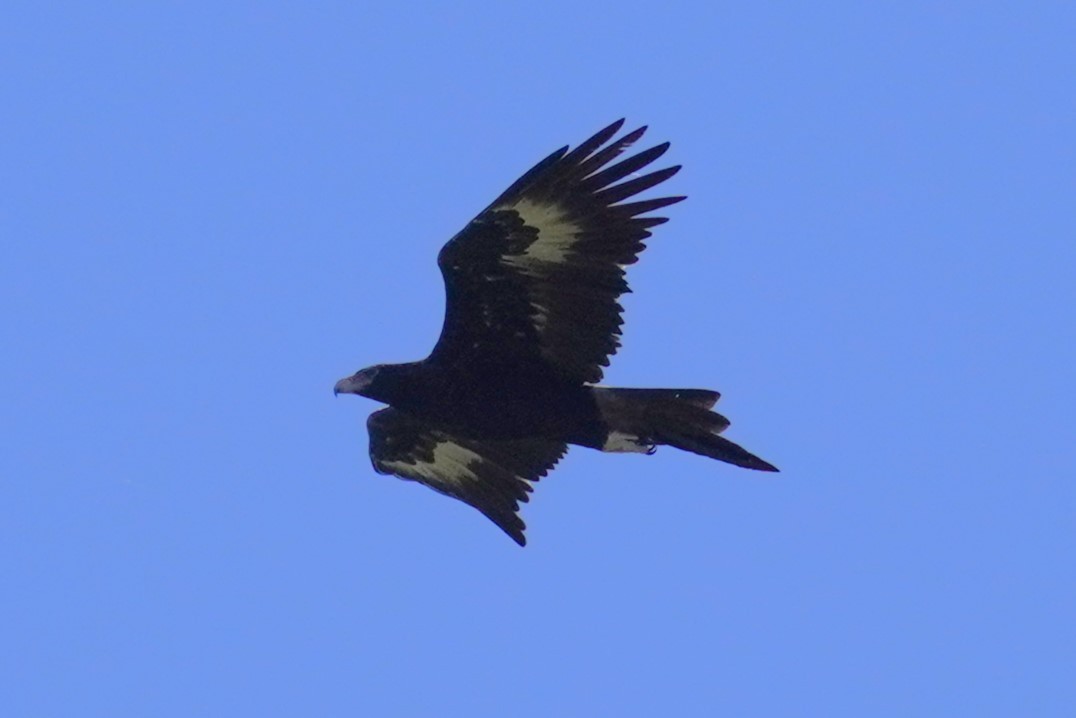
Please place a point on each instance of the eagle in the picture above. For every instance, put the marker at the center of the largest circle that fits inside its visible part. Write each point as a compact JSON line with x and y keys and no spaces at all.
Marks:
{"x":531,"y":319}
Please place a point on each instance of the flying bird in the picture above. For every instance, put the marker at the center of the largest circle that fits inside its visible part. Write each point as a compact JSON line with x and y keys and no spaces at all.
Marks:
{"x":531,"y":319}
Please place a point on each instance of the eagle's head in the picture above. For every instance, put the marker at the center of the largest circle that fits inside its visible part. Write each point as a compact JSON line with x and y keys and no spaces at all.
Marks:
{"x":358,"y":383}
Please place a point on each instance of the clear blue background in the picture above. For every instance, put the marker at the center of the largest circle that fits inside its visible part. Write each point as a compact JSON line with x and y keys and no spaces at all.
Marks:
{"x":210,"y":212}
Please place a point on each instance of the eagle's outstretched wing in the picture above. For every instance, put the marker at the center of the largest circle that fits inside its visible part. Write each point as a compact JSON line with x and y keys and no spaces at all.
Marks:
{"x":534,"y":279}
{"x":492,"y":476}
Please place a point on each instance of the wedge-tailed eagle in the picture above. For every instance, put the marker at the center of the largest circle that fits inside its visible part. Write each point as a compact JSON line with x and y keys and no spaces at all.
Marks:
{"x":531,"y":317}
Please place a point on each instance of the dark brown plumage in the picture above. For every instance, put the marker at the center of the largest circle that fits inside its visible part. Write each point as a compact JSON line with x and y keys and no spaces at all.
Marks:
{"x":531,"y":319}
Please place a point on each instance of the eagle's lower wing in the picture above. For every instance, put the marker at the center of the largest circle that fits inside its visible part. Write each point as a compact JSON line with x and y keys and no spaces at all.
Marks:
{"x":534,"y":279}
{"x":491,"y":476}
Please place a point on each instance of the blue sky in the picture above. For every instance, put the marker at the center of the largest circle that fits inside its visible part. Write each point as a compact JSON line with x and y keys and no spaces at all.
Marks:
{"x":209,"y":212}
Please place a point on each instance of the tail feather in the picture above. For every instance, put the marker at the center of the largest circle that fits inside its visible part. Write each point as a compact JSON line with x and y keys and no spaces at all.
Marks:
{"x":717,"y":447}
{"x":702,"y":398}
{"x":674,"y":417}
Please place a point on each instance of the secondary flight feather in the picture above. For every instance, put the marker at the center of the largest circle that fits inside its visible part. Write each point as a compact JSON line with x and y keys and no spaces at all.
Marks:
{"x":531,"y":318}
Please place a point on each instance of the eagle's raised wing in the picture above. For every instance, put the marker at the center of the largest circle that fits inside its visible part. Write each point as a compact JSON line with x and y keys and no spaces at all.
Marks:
{"x":491,"y":476}
{"x":536,"y":276}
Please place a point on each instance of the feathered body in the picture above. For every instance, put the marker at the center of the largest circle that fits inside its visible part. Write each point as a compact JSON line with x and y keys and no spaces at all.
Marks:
{"x":531,"y":319}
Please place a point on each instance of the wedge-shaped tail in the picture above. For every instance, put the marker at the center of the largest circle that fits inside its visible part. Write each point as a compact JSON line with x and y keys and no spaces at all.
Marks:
{"x":640,"y":419}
